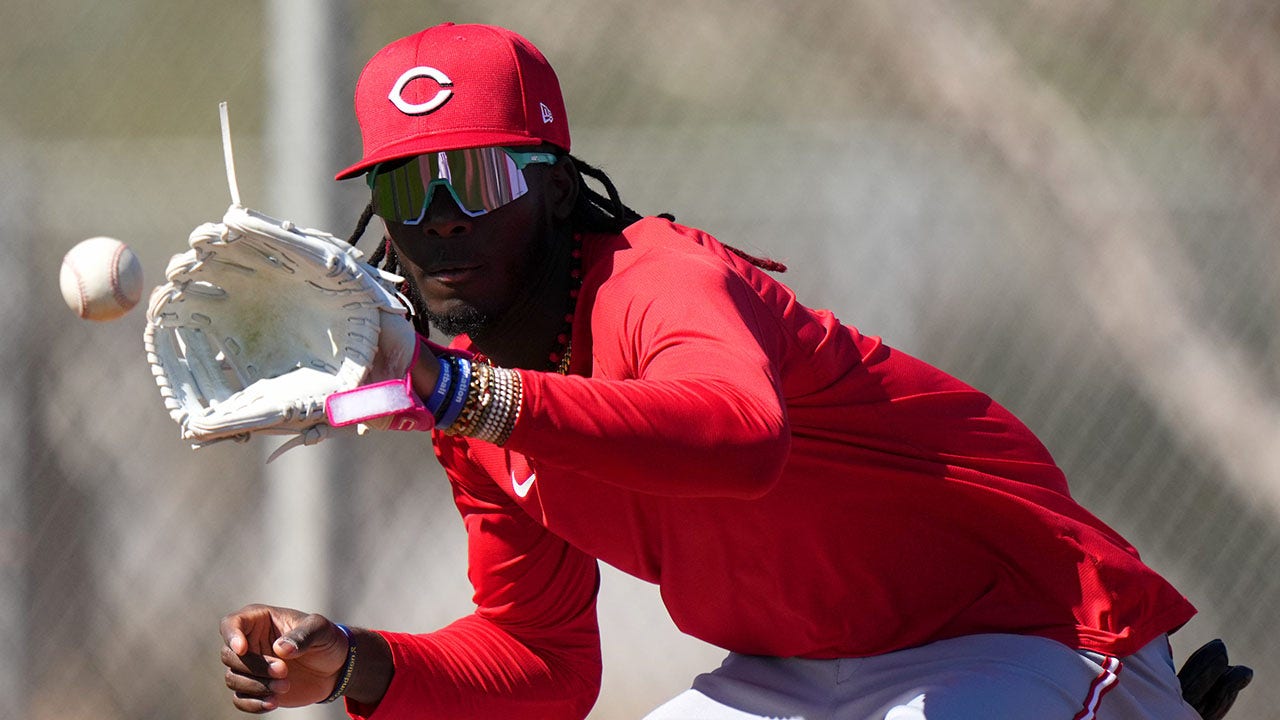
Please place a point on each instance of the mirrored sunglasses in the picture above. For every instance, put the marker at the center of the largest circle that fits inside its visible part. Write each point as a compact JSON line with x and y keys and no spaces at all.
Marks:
{"x":480,"y":180}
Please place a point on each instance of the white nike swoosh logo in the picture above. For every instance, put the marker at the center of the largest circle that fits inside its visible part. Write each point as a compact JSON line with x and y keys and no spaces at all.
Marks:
{"x":522,"y":488}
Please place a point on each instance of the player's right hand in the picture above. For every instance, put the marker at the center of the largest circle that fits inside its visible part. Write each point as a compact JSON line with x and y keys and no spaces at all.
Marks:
{"x":278,"y":657}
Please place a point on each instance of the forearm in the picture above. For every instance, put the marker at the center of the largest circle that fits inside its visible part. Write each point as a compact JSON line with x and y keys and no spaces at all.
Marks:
{"x":372,"y":670}
{"x":691,"y":437}
{"x":475,"y":669}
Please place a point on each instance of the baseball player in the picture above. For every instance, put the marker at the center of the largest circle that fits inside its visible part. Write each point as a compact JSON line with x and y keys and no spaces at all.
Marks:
{"x":867,"y":537}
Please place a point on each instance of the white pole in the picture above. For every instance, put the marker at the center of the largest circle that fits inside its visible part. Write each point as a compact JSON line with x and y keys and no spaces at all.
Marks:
{"x":304,"y":65}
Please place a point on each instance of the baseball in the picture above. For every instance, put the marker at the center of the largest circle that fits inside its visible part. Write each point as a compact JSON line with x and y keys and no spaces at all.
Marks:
{"x":101,"y":279}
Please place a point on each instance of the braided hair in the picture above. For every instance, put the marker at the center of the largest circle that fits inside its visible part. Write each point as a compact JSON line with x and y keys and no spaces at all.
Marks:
{"x":599,"y":214}
{"x":593,"y":212}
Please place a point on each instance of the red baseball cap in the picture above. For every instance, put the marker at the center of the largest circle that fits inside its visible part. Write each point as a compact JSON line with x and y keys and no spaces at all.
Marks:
{"x":452,"y":87}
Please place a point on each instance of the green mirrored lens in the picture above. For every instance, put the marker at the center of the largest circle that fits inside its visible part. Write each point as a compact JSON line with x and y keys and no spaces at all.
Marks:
{"x":399,"y":194}
{"x":480,"y":180}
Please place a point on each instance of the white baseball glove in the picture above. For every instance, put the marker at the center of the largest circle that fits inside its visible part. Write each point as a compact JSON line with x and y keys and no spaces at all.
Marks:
{"x":261,"y":320}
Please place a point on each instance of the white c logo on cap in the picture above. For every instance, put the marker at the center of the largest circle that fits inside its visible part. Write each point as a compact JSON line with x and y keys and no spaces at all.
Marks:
{"x":422,"y":71}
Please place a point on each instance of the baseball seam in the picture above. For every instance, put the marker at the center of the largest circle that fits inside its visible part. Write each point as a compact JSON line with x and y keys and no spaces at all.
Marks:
{"x":82,"y":293}
{"x":116,"y":291}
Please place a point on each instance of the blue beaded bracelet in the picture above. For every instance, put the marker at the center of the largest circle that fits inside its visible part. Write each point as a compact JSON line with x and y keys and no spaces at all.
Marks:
{"x":458,"y":399}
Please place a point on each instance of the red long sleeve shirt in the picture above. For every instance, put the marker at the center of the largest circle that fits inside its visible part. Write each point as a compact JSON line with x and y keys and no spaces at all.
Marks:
{"x":794,"y":487}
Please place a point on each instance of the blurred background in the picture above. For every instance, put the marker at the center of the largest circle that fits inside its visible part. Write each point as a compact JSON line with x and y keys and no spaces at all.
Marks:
{"x":1072,"y":205}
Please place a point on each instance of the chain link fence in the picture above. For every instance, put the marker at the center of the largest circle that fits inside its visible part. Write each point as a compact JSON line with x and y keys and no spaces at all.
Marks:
{"x":1073,"y":206}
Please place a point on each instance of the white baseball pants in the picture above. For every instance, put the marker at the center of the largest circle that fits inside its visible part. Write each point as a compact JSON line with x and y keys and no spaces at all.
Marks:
{"x":980,"y":677}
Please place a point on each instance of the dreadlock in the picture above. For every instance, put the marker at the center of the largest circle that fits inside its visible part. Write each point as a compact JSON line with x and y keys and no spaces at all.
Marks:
{"x":593,"y":212}
{"x":384,"y":257}
{"x":596,"y":213}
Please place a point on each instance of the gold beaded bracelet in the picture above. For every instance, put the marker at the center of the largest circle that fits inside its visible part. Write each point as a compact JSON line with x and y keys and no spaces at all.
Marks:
{"x":478,"y":397}
{"x":491,"y":422}
{"x":492,"y":405}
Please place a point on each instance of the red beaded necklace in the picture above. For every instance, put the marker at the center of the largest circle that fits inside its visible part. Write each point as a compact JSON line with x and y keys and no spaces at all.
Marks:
{"x":562,"y":356}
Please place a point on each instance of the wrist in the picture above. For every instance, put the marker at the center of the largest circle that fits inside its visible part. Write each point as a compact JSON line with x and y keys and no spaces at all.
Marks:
{"x":395,"y":404}
{"x":348,"y":667}
{"x":373,"y":670}
{"x":424,"y":374}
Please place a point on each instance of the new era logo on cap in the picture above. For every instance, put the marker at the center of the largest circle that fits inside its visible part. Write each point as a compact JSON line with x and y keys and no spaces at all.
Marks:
{"x":456,"y":86}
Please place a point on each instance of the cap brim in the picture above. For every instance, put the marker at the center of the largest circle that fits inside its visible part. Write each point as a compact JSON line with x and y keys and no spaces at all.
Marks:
{"x":414,"y":146}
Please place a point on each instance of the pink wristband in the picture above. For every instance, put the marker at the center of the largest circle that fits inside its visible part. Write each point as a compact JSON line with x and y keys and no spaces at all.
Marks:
{"x":394,"y":398}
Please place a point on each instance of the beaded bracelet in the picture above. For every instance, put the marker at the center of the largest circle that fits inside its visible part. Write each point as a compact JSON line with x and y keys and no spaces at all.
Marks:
{"x":495,"y":413}
{"x":478,"y":397}
{"x":490,"y":417}
{"x":348,"y":668}
{"x":492,"y":405}
{"x":516,"y":390}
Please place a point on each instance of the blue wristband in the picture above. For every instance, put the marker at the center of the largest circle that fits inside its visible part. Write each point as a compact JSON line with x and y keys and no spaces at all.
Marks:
{"x":348,"y":667}
{"x":458,"y":399}
{"x":441,"y":390}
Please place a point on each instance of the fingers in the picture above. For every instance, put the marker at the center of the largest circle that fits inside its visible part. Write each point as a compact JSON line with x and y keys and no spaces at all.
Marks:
{"x":256,"y":680}
{"x":278,"y":657}
{"x":261,"y":625}
{"x":253,"y":628}
{"x":263,"y":667}
{"x":255,"y":676}
{"x":309,"y":631}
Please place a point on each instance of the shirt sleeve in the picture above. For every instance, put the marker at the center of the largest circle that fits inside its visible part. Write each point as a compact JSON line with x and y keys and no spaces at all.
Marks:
{"x":532,"y":648}
{"x":685,"y":395}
